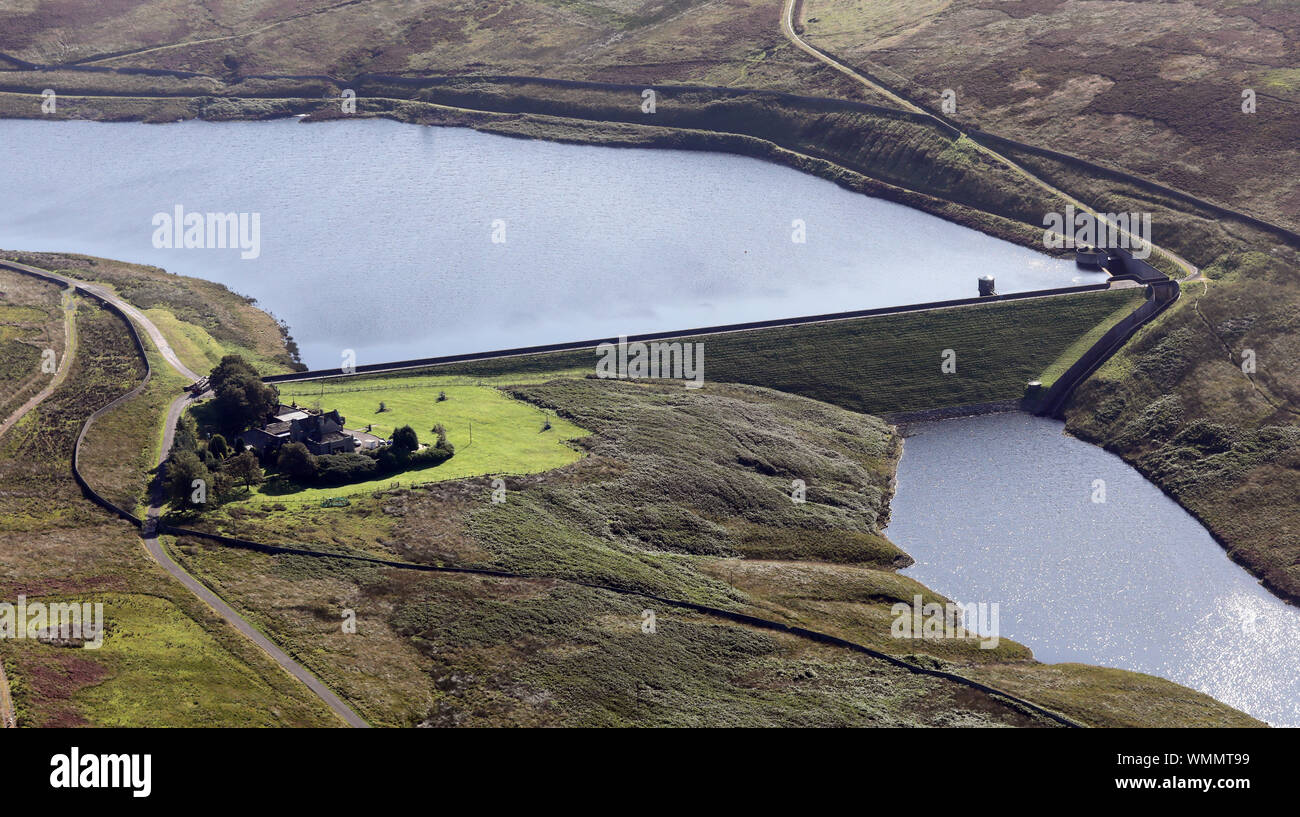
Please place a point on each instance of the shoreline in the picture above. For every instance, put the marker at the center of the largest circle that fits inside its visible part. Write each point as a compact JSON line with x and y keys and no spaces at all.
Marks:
{"x":569,"y":123}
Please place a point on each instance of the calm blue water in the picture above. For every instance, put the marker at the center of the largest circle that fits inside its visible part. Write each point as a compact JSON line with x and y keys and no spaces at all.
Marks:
{"x":376,"y":235}
{"x":1000,"y":509}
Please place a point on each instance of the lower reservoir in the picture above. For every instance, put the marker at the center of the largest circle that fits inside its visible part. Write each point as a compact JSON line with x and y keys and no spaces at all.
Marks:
{"x":1089,"y":562}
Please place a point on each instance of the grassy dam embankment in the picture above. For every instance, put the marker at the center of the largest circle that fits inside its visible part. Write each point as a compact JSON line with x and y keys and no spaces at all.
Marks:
{"x":879,"y":364}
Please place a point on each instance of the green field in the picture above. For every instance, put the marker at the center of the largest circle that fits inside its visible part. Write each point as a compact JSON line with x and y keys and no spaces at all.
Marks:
{"x":166,"y":670}
{"x":493,"y":433}
{"x":157,"y":667}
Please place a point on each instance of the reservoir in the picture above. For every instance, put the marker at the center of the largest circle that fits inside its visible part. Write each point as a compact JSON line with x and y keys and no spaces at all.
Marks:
{"x":399,"y":241}
{"x":1000,"y":508}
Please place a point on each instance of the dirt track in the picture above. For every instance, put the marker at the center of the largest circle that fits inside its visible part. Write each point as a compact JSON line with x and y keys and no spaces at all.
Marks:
{"x":60,"y":374}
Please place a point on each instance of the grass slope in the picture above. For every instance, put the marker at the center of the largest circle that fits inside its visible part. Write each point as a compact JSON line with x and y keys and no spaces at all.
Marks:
{"x":683,"y":494}
{"x":31,"y":321}
{"x":201,"y":320}
{"x":1177,"y":403}
{"x":1154,"y":88}
{"x":675,"y":41}
{"x":158,"y":667}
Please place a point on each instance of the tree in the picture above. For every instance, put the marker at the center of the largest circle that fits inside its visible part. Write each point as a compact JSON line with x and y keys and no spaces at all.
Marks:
{"x":183,"y":469}
{"x":217,"y":445}
{"x":442,"y":450}
{"x":405,"y":441}
{"x":212,"y":462}
{"x":223,"y":485}
{"x":296,"y":461}
{"x":230,"y":369}
{"x":340,"y":469}
{"x":386,"y":461}
{"x":186,"y":436}
{"x":245,"y":468}
{"x":242,"y":399}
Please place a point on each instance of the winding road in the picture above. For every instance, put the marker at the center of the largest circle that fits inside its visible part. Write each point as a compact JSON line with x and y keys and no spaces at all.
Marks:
{"x":787,"y":28}
{"x":155,"y":335}
{"x":214,"y":601}
{"x":149,"y":535}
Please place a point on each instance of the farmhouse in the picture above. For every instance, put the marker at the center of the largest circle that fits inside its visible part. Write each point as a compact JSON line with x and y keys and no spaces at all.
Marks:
{"x":321,"y":432}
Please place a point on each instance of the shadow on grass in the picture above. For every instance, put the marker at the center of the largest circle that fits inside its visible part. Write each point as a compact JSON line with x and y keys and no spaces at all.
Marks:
{"x":281,"y":486}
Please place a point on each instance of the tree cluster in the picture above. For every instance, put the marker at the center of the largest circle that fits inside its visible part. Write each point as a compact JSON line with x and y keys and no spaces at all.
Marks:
{"x":296,"y":462}
{"x":241,"y":399}
{"x":200,"y":474}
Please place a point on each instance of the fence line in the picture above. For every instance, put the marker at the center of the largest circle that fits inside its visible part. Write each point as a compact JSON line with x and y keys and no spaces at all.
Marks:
{"x":718,"y":612}
{"x":451,"y":382}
